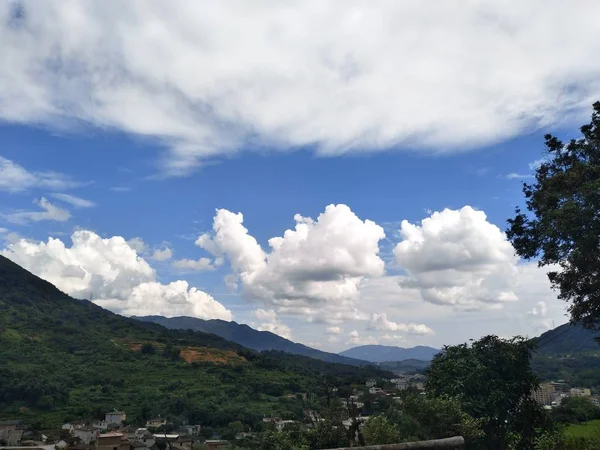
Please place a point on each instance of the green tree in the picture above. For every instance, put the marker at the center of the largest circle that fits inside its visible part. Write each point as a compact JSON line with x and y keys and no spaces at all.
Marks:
{"x":421,"y":417}
{"x":493,"y":380}
{"x":379,"y":430}
{"x":576,"y":409}
{"x":563,"y":225}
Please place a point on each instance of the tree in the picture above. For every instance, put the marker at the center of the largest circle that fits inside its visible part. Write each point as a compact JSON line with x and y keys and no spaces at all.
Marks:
{"x":576,"y":409}
{"x":493,"y":381}
{"x":563,"y":227}
{"x":379,"y":430}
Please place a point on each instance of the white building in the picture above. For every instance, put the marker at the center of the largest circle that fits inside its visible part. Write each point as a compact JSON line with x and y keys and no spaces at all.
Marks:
{"x":115,"y":417}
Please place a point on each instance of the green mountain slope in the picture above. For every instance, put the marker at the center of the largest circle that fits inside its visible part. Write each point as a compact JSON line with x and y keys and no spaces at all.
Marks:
{"x":63,"y":359}
{"x":568,"y":338}
{"x":249,"y":337}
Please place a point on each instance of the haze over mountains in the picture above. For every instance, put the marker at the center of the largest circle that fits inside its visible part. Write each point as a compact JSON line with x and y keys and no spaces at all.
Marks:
{"x":382,"y":353}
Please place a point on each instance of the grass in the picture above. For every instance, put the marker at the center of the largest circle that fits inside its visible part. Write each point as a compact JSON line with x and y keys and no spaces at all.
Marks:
{"x":587,"y":429}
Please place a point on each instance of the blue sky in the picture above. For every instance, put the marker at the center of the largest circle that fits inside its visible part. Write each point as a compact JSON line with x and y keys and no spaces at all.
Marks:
{"x":135,"y":153}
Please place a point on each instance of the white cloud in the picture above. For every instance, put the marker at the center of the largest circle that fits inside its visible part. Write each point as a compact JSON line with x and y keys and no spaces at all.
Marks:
{"x":162,"y":254}
{"x":113,"y":274}
{"x":170,"y":300}
{"x":287,"y":75}
{"x":277,"y":328}
{"x":458,"y":258}
{"x":392,"y":337}
{"x":519,"y":176}
{"x":194,"y":264}
{"x":138,"y":244}
{"x":534,"y":165}
{"x":265,"y":315}
{"x":540,"y":309}
{"x":380,"y":322}
{"x":269,"y":322}
{"x":15,"y":178}
{"x":49,"y":212}
{"x":334,"y":330}
{"x":314,"y":270}
{"x":356,"y":339}
{"x":73,"y":200}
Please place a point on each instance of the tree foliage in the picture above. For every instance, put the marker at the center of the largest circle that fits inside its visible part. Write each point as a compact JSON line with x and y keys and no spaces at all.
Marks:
{"x":492,"y":379}
{"x":562,"y":228}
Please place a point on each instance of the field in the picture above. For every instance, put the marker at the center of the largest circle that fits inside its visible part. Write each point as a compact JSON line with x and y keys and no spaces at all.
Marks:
{"x":587,"y":429}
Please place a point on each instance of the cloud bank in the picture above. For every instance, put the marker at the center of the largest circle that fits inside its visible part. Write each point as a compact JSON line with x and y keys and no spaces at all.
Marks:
{"x":111,"y":272}
{"x":342,"y":76}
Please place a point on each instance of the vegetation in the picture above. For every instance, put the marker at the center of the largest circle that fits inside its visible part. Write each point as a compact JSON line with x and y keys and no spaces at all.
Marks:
{"x":563,"y":224}
{"x":64,"y":359}
{"x":249,"y":337}
{"x":493,"y":381}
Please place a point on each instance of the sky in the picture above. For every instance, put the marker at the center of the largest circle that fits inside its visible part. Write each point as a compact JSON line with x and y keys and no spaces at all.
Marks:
{"x":339,"y":173}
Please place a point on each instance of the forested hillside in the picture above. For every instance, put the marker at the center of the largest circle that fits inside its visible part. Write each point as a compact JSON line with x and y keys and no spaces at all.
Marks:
{"x":64,"y":359}
{"x":249,"y":337}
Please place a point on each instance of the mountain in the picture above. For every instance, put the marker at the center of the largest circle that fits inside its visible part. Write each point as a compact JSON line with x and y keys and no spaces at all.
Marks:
{"x":406,"y":366}
{"x":382,"y":353}
{"x":249,"y":337}
{"x":568,"y":338}
{"x":65,"y":359}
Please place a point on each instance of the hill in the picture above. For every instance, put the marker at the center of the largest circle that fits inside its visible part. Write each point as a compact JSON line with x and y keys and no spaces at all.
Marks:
{"x":64,"y":359}
{"x":406,"y":366}
{"x":382,"y":353}
{"x":249,"y":337}
{"x":568,"y":338}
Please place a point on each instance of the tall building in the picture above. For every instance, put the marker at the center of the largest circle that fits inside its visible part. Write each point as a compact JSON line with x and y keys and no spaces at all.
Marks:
{"x":545,"y":394}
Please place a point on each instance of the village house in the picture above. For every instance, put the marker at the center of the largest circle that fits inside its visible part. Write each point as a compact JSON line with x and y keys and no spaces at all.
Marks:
{"x":86,"y":434}
{"x":375,"y":390}
{"x":115,"y":417}
{"x":112,"y":441}
{"x":155,"y":423}
{"x":371,"y":383}
{"x":11,"y":432}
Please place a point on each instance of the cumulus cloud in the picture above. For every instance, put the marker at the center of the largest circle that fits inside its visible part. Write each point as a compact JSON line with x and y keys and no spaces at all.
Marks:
{"x":269,"y":322}
{"x":314,"y":270}
{"x":162,"y":254}
{"x":458,"y":258}
{"x":334,"y":330}
{"x":112,"y":273}
{"x":49,"y":211}
{"x":73,"y":200}
{"x":287,"y":76}
{"x":15,"y":178}
{"x":200,"y":264}
{"x":380,"y":322}
{"x":357,"y":339}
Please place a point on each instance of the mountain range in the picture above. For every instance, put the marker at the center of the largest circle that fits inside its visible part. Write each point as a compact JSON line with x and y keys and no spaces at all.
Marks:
{"x":66,"y":359}
{"x":382,"y":353}
{"x":249,"y":337}
{"x":264,"y":340}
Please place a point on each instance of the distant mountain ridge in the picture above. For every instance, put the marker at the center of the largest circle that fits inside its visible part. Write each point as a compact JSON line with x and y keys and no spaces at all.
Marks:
{"x":386,"y":353}
{"x":249,"y":337}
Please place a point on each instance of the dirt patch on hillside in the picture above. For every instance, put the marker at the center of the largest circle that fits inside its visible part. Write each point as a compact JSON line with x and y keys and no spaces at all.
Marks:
{"x":190,"y":355}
